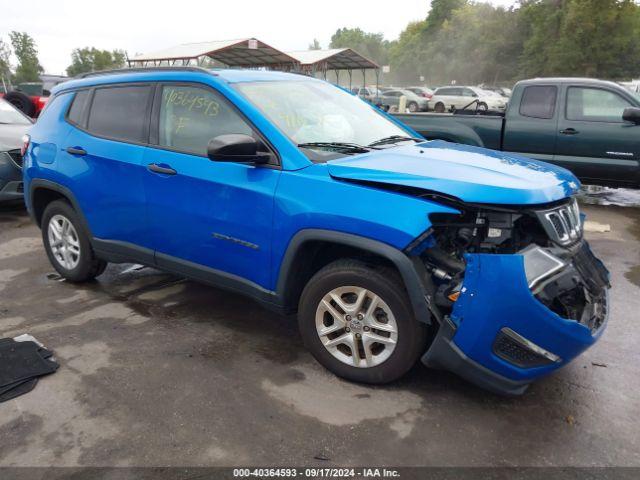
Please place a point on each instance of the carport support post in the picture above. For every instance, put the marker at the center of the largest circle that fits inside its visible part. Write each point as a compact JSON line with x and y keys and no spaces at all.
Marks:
{"x":337,"y":77}
{"x":350,"y":72}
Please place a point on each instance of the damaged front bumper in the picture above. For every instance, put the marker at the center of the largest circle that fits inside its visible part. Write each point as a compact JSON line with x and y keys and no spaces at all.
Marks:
{"x":501,"y":336}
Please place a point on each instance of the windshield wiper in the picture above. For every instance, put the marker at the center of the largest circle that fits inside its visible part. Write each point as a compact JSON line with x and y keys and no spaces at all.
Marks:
{"x":394,"y":139}
{"x":339,"y":146}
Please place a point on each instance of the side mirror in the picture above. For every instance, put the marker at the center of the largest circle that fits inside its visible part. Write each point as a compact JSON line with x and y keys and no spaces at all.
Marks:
{"x":236,"y":147}
{"x":631,"y":114}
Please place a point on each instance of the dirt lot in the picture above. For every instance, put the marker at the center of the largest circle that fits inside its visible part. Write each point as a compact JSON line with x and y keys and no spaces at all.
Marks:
{"x":156,"y":370}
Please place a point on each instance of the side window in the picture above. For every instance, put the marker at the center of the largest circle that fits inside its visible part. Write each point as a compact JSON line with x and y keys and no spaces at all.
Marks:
{"x":443,"y":91}
{"x":539,"y":101}
{"x":466,"y":92}
{"x":78,"y":105}
{"x":119,"y":112}
{"x":595,"y":105}
{"x":191,"y":116}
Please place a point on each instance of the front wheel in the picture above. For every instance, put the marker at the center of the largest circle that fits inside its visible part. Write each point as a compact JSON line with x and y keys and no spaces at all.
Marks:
{"x":483,"y":107}
{"x":439,"y":108}
{"x":357,"y":322}
{"x":67,"y":245}
{"x":413,"y":107}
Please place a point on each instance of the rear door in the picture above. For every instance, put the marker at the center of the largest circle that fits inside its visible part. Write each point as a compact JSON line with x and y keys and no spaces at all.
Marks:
{"x":593,"y":140}
{"x":102,"y":158}
{"x":531,"y":122}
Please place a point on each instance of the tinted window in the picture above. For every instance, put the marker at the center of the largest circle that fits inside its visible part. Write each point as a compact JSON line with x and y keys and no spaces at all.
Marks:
{"x":77,"y":107}
{"x":191,"y":116}
{"x":595,"y":105}
{"x":444,"y":91}
{"x":119,"y":112}
{"x":539,"y":101}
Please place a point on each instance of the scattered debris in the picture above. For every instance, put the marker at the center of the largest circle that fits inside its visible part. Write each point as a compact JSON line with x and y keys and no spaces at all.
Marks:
{"x":595,"y":227}
{"x":595,"y":364}
{"x":23,"y":360}
{"x":570,"y":420}
{"x":321,"y":457}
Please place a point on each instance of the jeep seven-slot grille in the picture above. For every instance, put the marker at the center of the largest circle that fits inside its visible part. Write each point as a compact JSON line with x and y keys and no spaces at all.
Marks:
{"x":16,"y":158}
{"x":562,"y":224}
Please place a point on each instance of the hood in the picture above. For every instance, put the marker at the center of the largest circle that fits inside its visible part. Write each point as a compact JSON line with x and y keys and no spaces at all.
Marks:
{"x":471,"y":174}
{"x":11,"y":136}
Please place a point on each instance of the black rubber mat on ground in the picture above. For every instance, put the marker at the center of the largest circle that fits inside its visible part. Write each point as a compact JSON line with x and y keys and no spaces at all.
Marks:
{"x":21,"y":364}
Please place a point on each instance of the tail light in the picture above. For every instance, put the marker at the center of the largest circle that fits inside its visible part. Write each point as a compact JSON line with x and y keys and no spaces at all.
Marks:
{"x":427,"y":96}
{"x":25,"y":144}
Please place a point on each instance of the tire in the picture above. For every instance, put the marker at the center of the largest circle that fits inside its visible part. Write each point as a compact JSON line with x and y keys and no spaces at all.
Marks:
{"x":439,"y":108}
{"x":22,"y":102}
{"x":380,"y":362}
{"x":74,"y":259}
{"x":483,"y":107}
{"x":413,"y":107}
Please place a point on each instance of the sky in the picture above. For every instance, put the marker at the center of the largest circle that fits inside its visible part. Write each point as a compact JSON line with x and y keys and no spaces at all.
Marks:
{"x":143,"y":26}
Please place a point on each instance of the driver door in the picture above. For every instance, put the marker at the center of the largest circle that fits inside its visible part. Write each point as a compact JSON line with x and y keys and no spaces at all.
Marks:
{"x":206,"y":217}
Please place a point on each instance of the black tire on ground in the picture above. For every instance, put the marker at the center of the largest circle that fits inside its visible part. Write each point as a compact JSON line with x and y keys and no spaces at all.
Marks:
{"x":385,"y":283}
{"x":413,"y":107}
{"x":22,"y":102}
{"x":88,"y":266}
{"x":483,"y":107}
{"x":439,"y":108}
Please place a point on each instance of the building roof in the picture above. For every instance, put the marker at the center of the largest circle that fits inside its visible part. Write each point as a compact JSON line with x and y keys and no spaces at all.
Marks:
{"x":245,"y":52}
{"x":333,"y":59}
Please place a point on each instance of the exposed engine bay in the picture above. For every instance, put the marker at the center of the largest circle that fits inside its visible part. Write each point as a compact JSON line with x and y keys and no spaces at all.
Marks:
{"x":561,"y":271}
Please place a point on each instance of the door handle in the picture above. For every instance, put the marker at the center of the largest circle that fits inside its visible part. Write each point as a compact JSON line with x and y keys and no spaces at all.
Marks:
{"x":76,"y":151}
{"x":569,"y":131}
{"x":154,"y":167}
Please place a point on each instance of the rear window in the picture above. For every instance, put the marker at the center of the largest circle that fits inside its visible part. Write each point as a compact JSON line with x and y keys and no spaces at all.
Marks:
{"x":76,"y":111}
{"x":539,"y":101}
{"x":120,"y":113}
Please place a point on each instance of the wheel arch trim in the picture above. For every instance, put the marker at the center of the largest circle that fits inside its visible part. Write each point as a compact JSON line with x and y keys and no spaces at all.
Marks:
{"x":404,"y":264}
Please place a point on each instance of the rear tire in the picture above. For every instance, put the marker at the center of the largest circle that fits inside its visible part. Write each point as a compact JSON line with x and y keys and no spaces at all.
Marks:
{"x":371,"y":317}
{"x":413,"y":107}
{"x":483,"y":107}
{"x":67,"y":244}
{"x":22,"y":102}
{"x":439,"y":108}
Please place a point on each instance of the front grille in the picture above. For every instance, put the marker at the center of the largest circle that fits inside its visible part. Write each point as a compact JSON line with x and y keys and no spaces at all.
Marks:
{"x":514,"y":352}
{"x":562,"y":224}
{"x":16,"y":157}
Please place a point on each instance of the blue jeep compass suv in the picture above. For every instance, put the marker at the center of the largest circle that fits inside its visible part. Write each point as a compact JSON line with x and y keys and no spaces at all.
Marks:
{"x":292,"y":191}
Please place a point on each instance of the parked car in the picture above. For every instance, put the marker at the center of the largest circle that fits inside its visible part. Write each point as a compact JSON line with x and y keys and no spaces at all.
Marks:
{"x":370,"y":94}
{"x":28,"y":97}
{"x":588,"y":126}
{"x":457,"y":98}
{"x":422,"y":92}
{"x":415,"y":103}
{"x":13,"y":126}
{"x":502,"y":91}
{"x":295,"y":193}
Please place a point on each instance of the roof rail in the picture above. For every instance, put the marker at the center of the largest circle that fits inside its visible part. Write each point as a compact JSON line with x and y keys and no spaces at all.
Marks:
{"x":145,"y":69}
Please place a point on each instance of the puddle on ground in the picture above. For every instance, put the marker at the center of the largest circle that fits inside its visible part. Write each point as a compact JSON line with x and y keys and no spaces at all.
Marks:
{"x":622,"y":197}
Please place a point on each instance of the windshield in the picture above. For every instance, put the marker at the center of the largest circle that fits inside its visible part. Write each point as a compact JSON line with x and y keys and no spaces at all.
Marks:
{"x":8,"y":114}
{"x":318,"y":112}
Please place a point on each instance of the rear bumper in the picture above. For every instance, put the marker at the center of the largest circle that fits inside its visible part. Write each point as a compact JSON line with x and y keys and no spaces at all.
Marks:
{"x":497,"y":298}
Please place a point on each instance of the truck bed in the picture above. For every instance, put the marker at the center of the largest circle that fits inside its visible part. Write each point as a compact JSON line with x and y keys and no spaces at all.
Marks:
{"x":479,"y":130}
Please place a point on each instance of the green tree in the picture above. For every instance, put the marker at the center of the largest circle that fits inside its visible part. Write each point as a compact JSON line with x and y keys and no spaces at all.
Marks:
{"x":90,"y":59}
{"x":24,"y":48}
{"x":371,"y":45}
{"x":5,"y":65}
{"x":315,"y":45}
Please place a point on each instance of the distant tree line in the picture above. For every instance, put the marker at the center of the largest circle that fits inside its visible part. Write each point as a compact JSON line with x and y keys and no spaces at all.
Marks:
{"x":28,"y":68}
{"x":475,"y":42}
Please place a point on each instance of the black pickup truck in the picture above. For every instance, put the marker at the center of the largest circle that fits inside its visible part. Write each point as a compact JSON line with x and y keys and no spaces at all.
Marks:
{"x":591,"y":127}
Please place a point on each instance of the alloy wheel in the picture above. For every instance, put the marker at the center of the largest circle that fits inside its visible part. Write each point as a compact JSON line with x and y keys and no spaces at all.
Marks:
{"x":356,"y":326}
{"x":64,"y":242}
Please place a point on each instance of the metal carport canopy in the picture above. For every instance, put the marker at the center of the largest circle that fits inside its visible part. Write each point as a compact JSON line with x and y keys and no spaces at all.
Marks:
{"x":245,"y":53}
{"x":333,"y":59}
